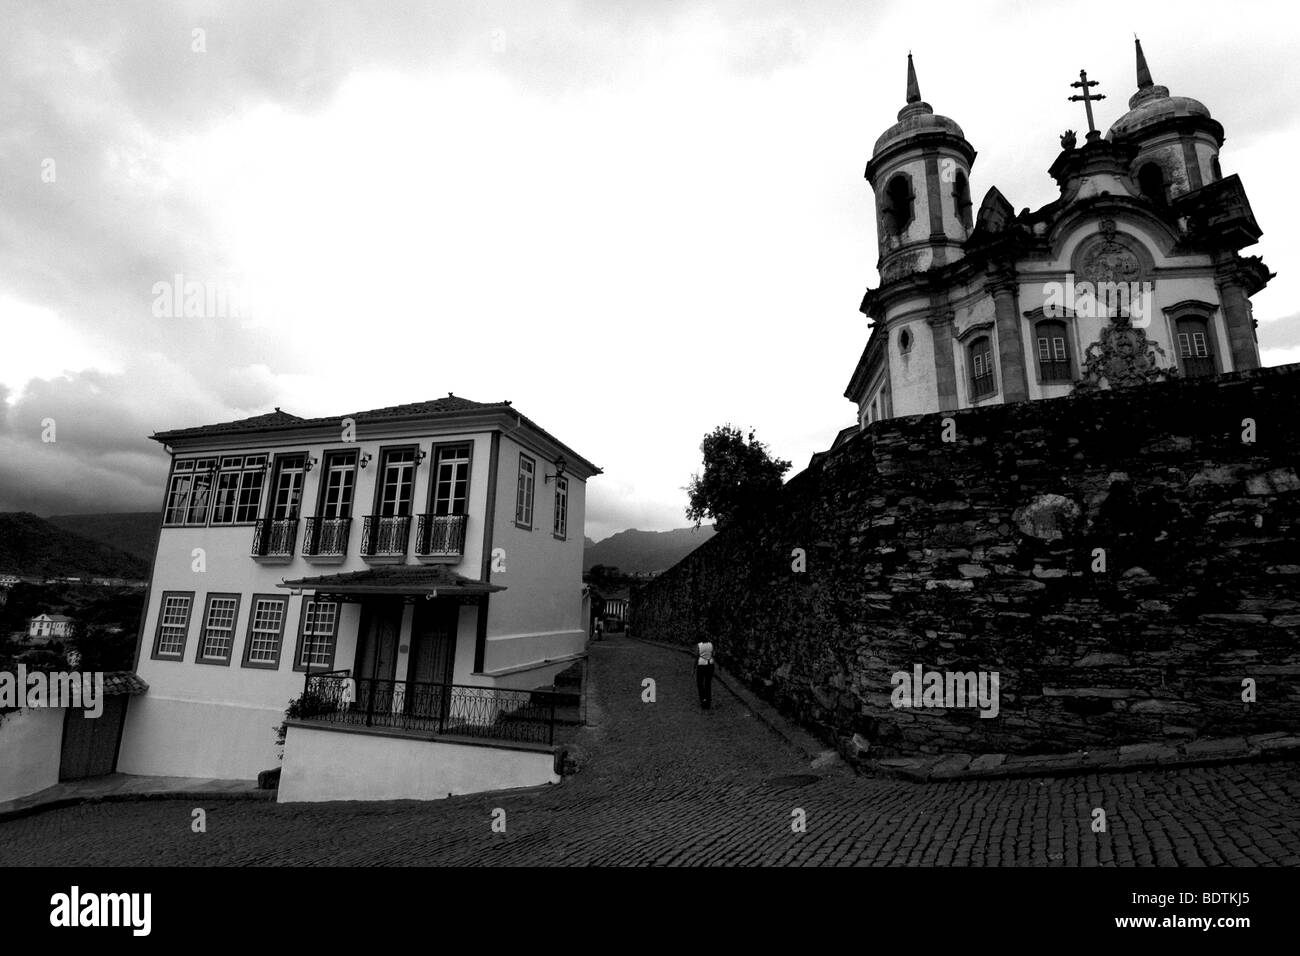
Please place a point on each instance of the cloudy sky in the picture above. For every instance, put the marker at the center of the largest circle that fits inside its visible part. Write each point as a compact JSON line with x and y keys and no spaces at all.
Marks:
{"x":636,"y":220}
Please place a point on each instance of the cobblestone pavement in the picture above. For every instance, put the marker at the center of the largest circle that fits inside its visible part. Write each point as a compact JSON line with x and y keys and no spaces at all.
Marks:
{"x":665,"y":783}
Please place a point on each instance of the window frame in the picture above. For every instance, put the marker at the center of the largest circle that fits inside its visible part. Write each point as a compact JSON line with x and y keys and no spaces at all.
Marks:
{"x":560,"y":529}
{"x":298,"y":664}
{"x":247,"y":658}
{"x":435,"y":457}
{"x":188,"y":468}
{"x":278,"y":469}
{"x":156,"y":654}
{"x":386,"y":454}
{"x":243,"y":473}
{"x":1202,"y":325}
{"x":199,"y":656}
{"x":1054,"y":325}
{"x":973,"y":363}
{"x":343,"y":457}
{"x":525,"y":507}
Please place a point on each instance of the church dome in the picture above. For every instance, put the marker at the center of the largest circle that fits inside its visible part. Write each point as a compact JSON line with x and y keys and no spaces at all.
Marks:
{"x":915,"y":118}
{"x":1152,"y":104}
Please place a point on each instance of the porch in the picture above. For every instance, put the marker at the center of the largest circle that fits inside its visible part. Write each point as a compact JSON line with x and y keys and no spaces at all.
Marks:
{"x":337,"y":699}
{"x":399,"y":715}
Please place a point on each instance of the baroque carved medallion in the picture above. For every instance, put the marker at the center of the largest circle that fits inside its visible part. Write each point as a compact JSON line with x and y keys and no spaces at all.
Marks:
{"x":1123,"y":356}
{"x":1110,"y":261}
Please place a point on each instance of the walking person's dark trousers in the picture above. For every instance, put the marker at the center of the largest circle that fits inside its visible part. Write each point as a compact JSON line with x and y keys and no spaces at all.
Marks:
{"x":704,"y":684}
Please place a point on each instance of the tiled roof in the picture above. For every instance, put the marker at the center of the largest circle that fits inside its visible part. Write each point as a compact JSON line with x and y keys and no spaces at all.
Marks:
{"x":118,"y":683}
{"x":450,"y":405}
{"x":395,"y":579}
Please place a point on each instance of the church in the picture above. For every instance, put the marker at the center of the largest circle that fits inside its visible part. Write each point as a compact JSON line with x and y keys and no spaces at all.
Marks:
{"x":1133,"y":274}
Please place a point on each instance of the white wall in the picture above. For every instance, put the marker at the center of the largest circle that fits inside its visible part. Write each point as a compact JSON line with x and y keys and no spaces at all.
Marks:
{"x":538,"y":617}
{"x":224,"y":740}
{"x":339,"y":765}
{"x":31,"y":744}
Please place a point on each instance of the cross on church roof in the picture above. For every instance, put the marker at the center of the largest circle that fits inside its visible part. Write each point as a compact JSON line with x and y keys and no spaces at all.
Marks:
{"x":1088,"y":98}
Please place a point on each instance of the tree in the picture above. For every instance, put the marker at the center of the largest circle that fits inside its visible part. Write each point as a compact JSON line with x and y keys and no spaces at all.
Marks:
{"x":102,"y":649}
{"x":739,"y":476}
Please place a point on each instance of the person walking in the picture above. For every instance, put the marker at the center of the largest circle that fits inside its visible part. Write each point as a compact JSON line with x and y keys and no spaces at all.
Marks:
{"x":704,"y":673}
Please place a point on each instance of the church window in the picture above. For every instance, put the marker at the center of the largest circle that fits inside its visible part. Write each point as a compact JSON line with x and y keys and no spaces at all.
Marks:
{"x":981,"y":368}
{"x":1195,"y":349}
{"x":961,"y":200}
{"x":1215,"y":168}
{"x":899,"y":208}
{"x":1151,"y":180}
{"x":904,"y":340}
{"x":1053,"y":350}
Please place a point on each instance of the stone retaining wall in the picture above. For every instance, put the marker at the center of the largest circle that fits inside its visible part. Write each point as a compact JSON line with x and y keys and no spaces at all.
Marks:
{"x":1123,"y":561}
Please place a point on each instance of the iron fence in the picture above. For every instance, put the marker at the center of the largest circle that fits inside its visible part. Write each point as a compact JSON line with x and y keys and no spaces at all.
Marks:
{"x":493,"y":713}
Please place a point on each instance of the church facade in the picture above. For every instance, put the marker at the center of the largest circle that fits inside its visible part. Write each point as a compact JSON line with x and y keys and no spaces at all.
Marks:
{"x":1133,"y":274}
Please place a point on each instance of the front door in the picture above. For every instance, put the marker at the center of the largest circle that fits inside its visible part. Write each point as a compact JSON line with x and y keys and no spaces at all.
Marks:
{"x":433,"y":657}
{"x":381,"y":626}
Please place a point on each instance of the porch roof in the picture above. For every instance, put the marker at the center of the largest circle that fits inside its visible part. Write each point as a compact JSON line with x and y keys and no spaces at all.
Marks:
{"x":430,"y":580}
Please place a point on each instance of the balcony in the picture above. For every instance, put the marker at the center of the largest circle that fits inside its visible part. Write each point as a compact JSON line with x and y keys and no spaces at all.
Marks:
{"x":273,"y":540}
{"x":488,"y":713}
{"x":384,"y":538}
{"x":440,"y":538}
{"x":325,"y":540}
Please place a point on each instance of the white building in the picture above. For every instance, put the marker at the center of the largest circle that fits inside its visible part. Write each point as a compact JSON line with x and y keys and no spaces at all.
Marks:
{"x":1133,"y":273}
{"x":49,"y":626}
{"x":427,"y":557}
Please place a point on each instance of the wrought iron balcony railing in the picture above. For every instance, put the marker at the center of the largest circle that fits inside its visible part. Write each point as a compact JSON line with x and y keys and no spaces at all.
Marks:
{"x":326,"y":537}
{"x":274,"y":537}
{"x":494,"y":713}
{"x":440,"y":536}
{"x":385,"y":535}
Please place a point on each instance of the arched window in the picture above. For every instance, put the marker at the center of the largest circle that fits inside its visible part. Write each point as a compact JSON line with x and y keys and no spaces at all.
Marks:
{"x":1215,"y":168}
{"x":980,"y":353}
{"x":899,"y":207}
{"x":1053,"y":352}
{"x":1151,"y":180}
{"x":1195,"y":347}
{"x":961,"y":199}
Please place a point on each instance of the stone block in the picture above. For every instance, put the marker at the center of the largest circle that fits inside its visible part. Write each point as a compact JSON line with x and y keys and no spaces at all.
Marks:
{"x":1216,"y":747}
{"x":985,"y":762}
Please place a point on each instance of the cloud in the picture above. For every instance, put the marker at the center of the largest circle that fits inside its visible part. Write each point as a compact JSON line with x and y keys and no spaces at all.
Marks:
{"x":637,"y":220}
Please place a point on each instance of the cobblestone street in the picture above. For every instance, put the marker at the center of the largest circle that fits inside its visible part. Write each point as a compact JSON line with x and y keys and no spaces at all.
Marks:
{"x":665,"y":783}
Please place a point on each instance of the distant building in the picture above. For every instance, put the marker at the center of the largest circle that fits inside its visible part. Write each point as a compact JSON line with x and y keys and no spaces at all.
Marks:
{"x":9,"y":580}
{"x":49,"y":626}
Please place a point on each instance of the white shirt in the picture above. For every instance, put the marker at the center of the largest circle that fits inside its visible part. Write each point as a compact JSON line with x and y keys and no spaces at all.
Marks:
{"x":705,"y":651}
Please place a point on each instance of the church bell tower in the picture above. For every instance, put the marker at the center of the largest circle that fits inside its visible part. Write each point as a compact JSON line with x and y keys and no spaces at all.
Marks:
{"x":920,"y":174}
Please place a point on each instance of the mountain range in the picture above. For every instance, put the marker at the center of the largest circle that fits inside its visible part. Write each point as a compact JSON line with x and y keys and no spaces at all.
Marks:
{"x":635,"y":550}
{"x":35,"y":546}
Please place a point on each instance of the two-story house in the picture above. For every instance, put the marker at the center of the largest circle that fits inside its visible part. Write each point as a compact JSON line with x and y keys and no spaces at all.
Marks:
{"x":425,"y":558}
